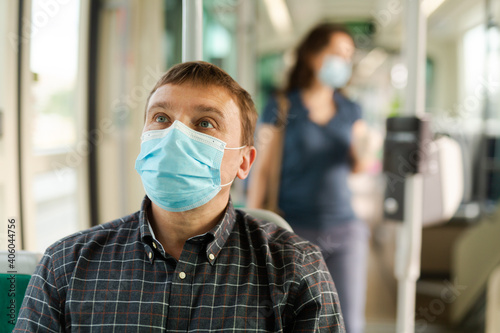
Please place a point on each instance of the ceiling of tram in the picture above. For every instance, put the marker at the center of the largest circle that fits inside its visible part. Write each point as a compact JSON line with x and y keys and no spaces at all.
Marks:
{"x":447,"y":19}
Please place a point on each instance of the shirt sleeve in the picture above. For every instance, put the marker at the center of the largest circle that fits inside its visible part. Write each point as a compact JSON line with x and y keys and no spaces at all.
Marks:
{"x":316,"y":306}
{"x":41,"y":308}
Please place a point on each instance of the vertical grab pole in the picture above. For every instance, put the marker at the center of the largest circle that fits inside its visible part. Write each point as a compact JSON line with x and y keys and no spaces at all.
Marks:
{"x":408,"y":246}
{"x":408,"y":243}
{"x":414,"y":47}
{"x":192,"y":30}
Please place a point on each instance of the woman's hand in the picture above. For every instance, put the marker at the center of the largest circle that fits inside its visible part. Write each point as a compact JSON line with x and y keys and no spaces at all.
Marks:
{"x":364,"y":145}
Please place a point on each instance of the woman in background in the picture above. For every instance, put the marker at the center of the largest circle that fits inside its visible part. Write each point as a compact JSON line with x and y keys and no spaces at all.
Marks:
{"x":319,"y":151}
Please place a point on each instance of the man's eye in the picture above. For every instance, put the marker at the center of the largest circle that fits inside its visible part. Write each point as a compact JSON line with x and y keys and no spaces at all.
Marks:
{"x":206,"y":124}
{"x":161,"y":119}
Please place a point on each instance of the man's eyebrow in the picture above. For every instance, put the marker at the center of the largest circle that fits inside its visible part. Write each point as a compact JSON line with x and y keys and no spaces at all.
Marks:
{"x":211,"y":109}
{"x":161,"y":105}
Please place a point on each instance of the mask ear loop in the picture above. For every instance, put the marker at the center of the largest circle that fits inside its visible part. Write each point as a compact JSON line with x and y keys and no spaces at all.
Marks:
{"x":227,"y":183}
{"x":236,"y":148}
{"x":234,"y":177}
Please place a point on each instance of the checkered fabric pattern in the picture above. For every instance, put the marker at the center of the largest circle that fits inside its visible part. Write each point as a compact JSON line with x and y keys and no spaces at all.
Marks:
{"x":245,"y":275}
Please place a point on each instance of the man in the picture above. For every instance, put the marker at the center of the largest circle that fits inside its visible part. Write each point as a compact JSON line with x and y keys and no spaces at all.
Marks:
{"x":187,"y":261}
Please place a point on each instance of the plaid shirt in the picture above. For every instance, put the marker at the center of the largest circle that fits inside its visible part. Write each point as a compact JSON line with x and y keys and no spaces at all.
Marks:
{"x":245,"y":275}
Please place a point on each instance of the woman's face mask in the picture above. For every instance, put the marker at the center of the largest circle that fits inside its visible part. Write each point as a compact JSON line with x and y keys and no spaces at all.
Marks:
{"x":335,"y":71}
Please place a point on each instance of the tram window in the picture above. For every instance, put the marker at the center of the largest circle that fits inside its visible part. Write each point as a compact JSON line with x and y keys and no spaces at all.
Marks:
{"x":4,"y":156}
{"x":54,"y":160}
{"x":9,"y":168}
{"x":54,"y":62}
{"x":474,"y":56}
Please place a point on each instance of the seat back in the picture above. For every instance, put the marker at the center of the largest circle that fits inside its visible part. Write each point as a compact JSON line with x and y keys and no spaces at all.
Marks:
{"x":267,"y":215}
{"x":493,"y":302}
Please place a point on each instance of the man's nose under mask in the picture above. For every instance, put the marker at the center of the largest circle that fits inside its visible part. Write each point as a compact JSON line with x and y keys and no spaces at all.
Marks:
{"x":180,"y":167}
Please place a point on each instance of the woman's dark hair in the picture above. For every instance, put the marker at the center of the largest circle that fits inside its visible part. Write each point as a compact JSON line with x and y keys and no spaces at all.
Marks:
{"x":301,"y":74}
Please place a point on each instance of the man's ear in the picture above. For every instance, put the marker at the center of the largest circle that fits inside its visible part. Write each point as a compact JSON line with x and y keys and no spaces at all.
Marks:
{"x":247,"y":158}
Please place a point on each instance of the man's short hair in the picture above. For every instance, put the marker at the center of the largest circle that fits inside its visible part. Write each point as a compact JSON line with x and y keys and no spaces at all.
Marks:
{"x":205,"y":74}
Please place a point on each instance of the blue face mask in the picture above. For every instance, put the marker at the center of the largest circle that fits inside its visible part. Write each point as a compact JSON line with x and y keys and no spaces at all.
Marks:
{"x":180,"y":167}
{"x":335,"y":71}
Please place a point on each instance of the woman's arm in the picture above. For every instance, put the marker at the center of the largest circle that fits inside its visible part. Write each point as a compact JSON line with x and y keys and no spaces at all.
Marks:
{"x":360,"y":147}
{"x":268,"y":145}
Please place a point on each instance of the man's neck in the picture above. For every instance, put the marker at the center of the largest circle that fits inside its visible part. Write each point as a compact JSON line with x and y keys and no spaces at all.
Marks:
{"x":173,"y":229}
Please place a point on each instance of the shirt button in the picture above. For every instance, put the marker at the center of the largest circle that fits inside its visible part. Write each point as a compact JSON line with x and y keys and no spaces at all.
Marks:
{"x":150,"y":255}
{"x":182,"y":275}
{"x":211,"y":256}
{"x":154,"y":245}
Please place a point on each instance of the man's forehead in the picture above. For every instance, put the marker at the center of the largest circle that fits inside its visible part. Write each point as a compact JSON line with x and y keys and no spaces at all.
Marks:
{"x":200,"y":97}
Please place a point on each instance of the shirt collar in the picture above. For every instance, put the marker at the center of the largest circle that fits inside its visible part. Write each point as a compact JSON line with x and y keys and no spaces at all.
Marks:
{"x":221,"y":233}
{"x":216,"y":237}
{"x":145,"y":228}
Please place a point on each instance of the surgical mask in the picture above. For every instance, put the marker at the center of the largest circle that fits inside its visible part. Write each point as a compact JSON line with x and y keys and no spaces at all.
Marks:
{"x":180,"y":167}
{"x":335,"y":71}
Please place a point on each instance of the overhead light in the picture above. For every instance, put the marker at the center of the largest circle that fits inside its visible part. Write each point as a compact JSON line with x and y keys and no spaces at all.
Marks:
{"x":429,"y":6}
{"x":399,"y":76}
{"x":279,"y":15}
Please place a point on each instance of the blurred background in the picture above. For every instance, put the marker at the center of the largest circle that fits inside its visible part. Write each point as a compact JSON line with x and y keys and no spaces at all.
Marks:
{"x":75,"y":75}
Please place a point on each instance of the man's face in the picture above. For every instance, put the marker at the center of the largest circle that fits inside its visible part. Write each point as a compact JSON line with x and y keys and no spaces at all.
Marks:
{"x":206,"y":109}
